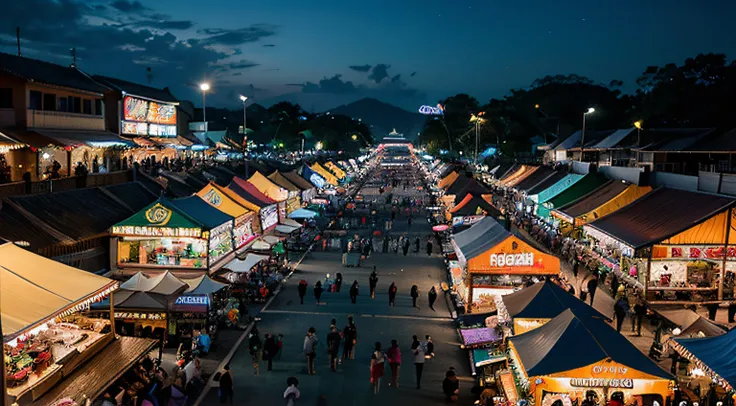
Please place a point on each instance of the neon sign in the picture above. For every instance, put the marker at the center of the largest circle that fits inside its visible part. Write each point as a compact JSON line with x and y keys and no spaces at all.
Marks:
{"x":432,"y":110}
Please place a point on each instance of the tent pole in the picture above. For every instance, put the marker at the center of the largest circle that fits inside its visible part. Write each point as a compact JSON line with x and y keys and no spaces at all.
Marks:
{"x":725,"y":255}
{"x":112,"y":314}
{"x":4,"y":394}
{"x":649,"y":270}
{"x":469,"y":299}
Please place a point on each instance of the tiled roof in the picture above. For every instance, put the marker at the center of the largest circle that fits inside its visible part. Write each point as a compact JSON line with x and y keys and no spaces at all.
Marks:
{"x":135,"y":89}
{"x":34,"y":70}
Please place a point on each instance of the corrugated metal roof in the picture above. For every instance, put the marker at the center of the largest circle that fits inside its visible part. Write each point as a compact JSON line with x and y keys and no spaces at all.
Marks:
{"x":135,"y":89}
{"x":612,"y":140}
{"x":49,"y":73}
{"x":594,"y":199}
{"x":673,"y":139}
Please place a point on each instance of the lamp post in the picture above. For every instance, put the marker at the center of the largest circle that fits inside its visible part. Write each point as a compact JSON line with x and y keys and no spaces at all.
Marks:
{"x":478,"y":120}
{"x":638,"y":125}
{"x":204,"y":87}
{"x":582,"y":136}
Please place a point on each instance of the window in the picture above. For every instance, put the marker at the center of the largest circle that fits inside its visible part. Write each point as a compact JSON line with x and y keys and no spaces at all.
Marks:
{"x":87,"y":106}
{"x":35,"y":100}
{"x":63,"y":104}
{"x":75,"y":104}
{"x":49,"y":102}
{"x":98,"y":107}
{"x":6,"y":98}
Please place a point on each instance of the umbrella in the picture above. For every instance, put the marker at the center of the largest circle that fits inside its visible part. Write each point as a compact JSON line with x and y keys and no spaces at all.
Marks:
{"x":441,"y":227}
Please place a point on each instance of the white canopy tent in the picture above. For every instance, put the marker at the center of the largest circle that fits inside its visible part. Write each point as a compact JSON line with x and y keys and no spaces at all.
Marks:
{"x":164,"y":284}
{"x":247,"y":264}
{"x":204,"y":285}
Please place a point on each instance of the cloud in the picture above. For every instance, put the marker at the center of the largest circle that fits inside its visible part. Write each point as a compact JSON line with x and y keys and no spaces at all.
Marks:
{"x":333,"y":85}
{"x":271,"y":70}
{"x":128,"y":6}
{"x":253,"y":33}
{"x":360,"y":68}
{"x":268,"y":45}
{"x":412,"y":74}
{"x":166,"y":24}
{"x":396,"y":78}
{"x":379,"y":72}
{"x":243,"y":64}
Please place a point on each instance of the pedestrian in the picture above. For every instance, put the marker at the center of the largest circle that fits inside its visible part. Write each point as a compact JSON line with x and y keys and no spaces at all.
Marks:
{"x":408,"y":222}
{"x":279,"y":345}
{"x":392,"y":294}
{"x":417,"y":242}
{"x":377,"y":366}
{"x":255,"y":347}
{"x":270,"y":349}
{"x":429,"y":247}
{"x":575,"y":267}
{"x":350,"y":337}
{"x":394,"y":360}
{"x":405,"y":248}
{"x":302,"y":288}
{"x":414,"y":295}
{"x":451,"y":387}
{"x":640,"y":311}
{"x":354,"y":292}
{"x":614,"y":285}
{"x":373,"y":282}
{"x":432,"y":296}
{"x":428,"y":347}
{"x":310,"y":349}
{"x":592,"y":286}
{"x":333,"y":347}
{"x":385,"y":241}
{"x":318,"y":291}
{"x":418,"y":352}
{"x":291,"y":394}
{"x":338,"y":281}
{"x":620,"y":308}
{"x":226,"y":385}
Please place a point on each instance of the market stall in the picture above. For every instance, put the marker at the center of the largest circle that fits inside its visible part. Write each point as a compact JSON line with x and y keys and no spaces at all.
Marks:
{"x":708,"y":360}
{"x":324,"y":173}
{"x":293,"y":201}
{"x":498,"y":263}
{"x":677,"y":244}
{"x":243,"y":230}
{"x":519,"y":175}
{"x":335,"y":170}
{"x":219,"y":226}
{"x":308,"y":189}
{"x":471,"y":205}
{"x":268,"y":211}
{"x":314,"y":178}
{"x":582,"y":187}
{"x":574,"y":356}
{"x":605,"y":200}
{"x":268,"y":188}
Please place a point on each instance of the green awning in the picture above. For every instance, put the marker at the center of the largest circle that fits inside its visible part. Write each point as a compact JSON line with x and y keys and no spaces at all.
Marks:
{"x":160,"y":213}
{"x":581,"y":187}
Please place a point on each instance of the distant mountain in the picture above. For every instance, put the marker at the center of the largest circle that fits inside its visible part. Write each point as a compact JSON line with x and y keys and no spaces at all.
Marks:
{"x":383,"y":117}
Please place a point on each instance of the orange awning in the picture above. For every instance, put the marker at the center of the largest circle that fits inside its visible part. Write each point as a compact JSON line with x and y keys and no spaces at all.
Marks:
{"x":514,"y":256}
{"x":448,"y":180}
{"x":519,"y":177}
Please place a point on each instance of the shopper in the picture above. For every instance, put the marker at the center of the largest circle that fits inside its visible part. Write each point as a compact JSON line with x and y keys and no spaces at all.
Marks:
{"x":414,"y":296}
{"x":392,"y":294}
{"x":378,"y":360}
{"x":350,"y":335}
{"x":354,"y":292}
{"x":429,"y":247}
{"x":226,"y":385}
{"x":432,"y":296}
{"x":418,"y":353}
{"x":394,"y":360}
{"x":318,"y":291}
{"x":592,"y":287}
{"x":291,"y":394}
{"x":255,"y":347}
{"x":373,"y":282}
{"x":270,"y":349}
{"x":338,"y":282}
{"x":640,"y":311}
{"x":451,"y":387}
{"x":417,"y":243}
{"x":620,"y":309}
{"x":310,"y":349}
{"x":428,"y":347}
{"x":333,"y":347}
{"x":302,"y":288}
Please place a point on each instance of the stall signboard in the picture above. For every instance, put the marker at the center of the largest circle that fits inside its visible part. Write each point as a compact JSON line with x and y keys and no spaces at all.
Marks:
{"x":145,"y":231}
{"x":269,"y":216}
{"x":465,"y":220}
{"x":191,"y":304}
{"x":158,"y":221}
{"x":514,"y":257}
{"x":143,"y":117}
{"x":694,"y":252}
{"x":624,"y":383}
{"x":317,"y":180}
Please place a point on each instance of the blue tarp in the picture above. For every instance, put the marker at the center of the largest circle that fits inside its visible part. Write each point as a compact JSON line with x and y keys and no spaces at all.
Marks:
{"x":545,"y":300}
{"x":201,"y":211}
{"x":716,"y":353}
{"x":571,"y":341}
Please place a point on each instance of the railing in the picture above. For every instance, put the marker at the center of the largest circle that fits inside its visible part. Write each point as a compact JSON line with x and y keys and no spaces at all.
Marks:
{"x":64,"y":121}
{"x":63,"y":184}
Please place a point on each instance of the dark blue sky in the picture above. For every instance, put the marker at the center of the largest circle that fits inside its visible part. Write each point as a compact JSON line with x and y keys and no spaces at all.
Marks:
{"x":322,"y":53}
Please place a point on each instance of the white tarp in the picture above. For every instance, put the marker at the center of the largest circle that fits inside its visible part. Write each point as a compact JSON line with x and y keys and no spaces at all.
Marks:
{"x":247,"y":264}
{"x":164,"y":284}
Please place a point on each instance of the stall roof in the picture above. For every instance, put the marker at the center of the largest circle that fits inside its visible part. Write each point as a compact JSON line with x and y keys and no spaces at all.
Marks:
{"x":545,"y":300}
{"x":329,"y":177}
{"x":480,"y":237}
{"x":593,"y":199}
{"x":689,"y":322}
{"x":171,"y":216}
{"x":659,"y":215}
{"x":461,"y":184}
{"x":246,"y":264}
{"x":553,"y":184}
{"x":34,"y":289}
{"x":280,"y":180}
{"x":133,"y":194}
{"x":200,"y":210}
{"x":221,"y":201}
{"x":600,"y":205}
{"x":163,"y":284}
{"x":135,"y":89}
{"x":471,"y":203}
{"x":295,"y":178}
{"x":715,"y":352}
{"x":204,"y":285}
{"x":15,"y":227}
{"x":583,"y":186}
{"x":526,"y":172}
{"x":253,"y":191}
{"x":571,"y":340}
{"x":235,"y":189}
{"x":542,"y":173}
{"x":303,"y":214}
{"x":131,"y":300}
{"x":268,"y":188}
{"x":448,"y":180}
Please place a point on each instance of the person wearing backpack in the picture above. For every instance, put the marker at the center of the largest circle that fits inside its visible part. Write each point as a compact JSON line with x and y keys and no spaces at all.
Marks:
{"x":291,"y":394}
{"x":310,"y":349}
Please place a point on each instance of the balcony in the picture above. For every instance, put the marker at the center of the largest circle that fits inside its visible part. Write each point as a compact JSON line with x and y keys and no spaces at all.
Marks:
{"x":7,"y":117}
{"x":64,"y":121}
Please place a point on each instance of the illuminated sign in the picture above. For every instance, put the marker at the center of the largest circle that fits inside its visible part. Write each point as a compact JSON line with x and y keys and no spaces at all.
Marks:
{"x":158,"y":215}
{"x":213,"y":198}
{"x":135,"y":128}
{"x":157,"y":231}
{"x":161,"y":113}
{"x":158,"y":130}
{"x":191,"y":303}
{"x":317,"y":180}
{"x":523,"y":259}
{"x":432,"y":110}
{"x":269,"y":216}
{"x":466,"y":220}
{"x":625,"y":383}
{"x":143,"y":117}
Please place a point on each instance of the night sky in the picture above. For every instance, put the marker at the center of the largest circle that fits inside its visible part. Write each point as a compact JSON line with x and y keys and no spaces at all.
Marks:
{"x":323,"y":53}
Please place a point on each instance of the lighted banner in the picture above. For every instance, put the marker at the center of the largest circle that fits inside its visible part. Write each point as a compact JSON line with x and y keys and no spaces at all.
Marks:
{"x":432,"y":110}
{"x":269,"y":216}
{"x":693,"y":252}
{"x":516,"y":257}
{"x":143,"y":117}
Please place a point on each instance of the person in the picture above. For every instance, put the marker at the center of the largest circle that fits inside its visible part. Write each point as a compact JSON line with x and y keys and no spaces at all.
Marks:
{"x":254,"y":345}
{"x":405,"y":248}
{"x":428,"y":347}
{"x":575,"y":267}
{"x":354,"y":292}
{"x":302,"y":288}
{"x":640,"y":311}
{"x":270,"y":348}
{"x":377,"y":366}
{"x":291,"y":394}
{"x":414,"y":295}
{"x":589,"y":399}
{"x":451,"y":386}
{"x":318,"y":291}
{"x":592,"y":287}
{"x":417,"y":243}
{"x":617,"y":399}
{"x":373,"y":282}
{"x":226,"y":385}
{"x":338,"y":281}
{"x":204,"y":341}
{"x":392,"y":294}
{"x":310,"y":349}
{"x":350,"y":335}
{"x":432,"y":296}
{"x":620,"y":308}
{"x":429,"y":247}
{"x":394,"y":360}
{"x":333,"y":347}
{"x":418,"y":352}
{"x":614,"y":285}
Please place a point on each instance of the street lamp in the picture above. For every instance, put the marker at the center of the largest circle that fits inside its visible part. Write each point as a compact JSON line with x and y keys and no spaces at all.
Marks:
{"x":318,"y":145}
{"x":478,"y":120}
{"x":582,"y":136}
{"x":354,"y":137}
{"x":637,"y":124}
{"x":204,"y":87}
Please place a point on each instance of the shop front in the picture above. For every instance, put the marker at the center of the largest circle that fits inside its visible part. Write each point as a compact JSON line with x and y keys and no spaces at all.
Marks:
{"x":269,"y":210}
{"x":293,"y":200}
{"x":243,"y":230}
{"x":308,"y":190}
{"x":498,"y":263}
{"x":324,"y":173}
{"x":218,"y":224}
{"x":574,"y":357}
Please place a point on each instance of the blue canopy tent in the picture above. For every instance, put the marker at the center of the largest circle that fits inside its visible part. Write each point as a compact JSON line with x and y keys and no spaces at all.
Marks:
{"x":714,"y":355}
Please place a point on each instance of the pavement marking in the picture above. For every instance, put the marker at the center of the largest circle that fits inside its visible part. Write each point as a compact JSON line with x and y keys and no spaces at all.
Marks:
{"x":378,"y":316}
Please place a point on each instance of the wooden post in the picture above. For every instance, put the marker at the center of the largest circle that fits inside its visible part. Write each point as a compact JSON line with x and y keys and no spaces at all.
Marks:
{"x":112,"y":314}
{"x":469,"y":299}
{"x":725,"y":255}
{"x":649,"y":269}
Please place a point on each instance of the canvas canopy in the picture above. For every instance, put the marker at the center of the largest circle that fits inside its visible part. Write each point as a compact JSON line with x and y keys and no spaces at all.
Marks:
{"x":246,"y":264}
{"x":474,"y":188}
{"x":712,"y":354}
{"x":282,"y":228}
{"x":583,"y":186}
{"x":448,"y":180}
{"x":222,"y":202}
{"x":522,"y":173}
{"x":472,"y":205}
{"x":303,"y":214}
{"x":545,"y":300}
{"x":296,"y":179}
{"x":690,"y":323}
{"x":324,"y":173}
{"x":280,"y":180}
{"x":599,"y":202}
{"x":339,"y":173}
{"x":459,"y":184}
{"x":571,"y":341}
{"x":161,"y":213}
{"x":203,"y":285}
{"x":268,"y":188}
{"x":533,"y":179}
{"x":253,"y":191}
{"x":314,"y":178}
{"x":163,"y":284}
{"x":198,"y":209}
{"x":129,"y":300}
{"x":478,"y":238}
{"x":555,"y":189}
{"x":34,"y":289}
